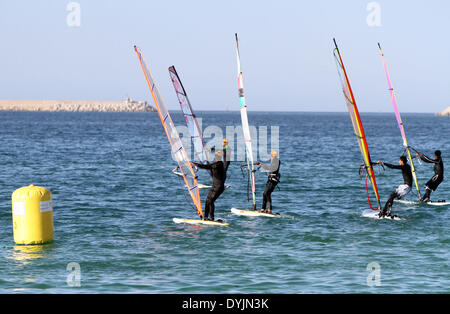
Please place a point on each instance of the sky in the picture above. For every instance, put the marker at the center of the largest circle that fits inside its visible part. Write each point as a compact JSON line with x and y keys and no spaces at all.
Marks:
{"x":49,"y":50}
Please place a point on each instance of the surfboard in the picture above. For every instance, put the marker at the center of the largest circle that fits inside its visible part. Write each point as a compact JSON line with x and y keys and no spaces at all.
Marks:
{"x":438,"y":203}
{"x":252,"y":213}
{"x":374,"y":214}
{"x":199,"y":222}
{"x":433,"y":203}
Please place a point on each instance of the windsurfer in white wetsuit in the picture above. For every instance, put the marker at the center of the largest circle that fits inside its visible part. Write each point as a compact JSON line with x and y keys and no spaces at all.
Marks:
{"x":402,"y":189}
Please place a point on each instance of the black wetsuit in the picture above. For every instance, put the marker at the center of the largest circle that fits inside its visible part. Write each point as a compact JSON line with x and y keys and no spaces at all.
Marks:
{"x":407,"y":179}
{"x":219,"y":175}
{"x":226,"y":157}
{"x":438,"y":177}
{"x":274,"y":178}
{"x":406,"y":172}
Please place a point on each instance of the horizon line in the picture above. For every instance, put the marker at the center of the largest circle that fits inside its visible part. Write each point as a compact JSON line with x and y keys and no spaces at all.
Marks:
{"x":235,"y":111}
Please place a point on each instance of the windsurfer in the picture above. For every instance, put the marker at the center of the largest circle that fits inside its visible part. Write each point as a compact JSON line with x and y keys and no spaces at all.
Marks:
{"x":402,"y":189}
{"x":438,"y":177}
{"x":272,"y":181}
{"x":219,"y":175}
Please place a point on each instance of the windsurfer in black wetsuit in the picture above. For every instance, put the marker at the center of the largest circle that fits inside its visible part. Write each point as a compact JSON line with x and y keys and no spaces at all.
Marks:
{"x":402,"y":189}
{"x":438,"y":177}
{"x":219,"y":175}
{"x":272,"y":181}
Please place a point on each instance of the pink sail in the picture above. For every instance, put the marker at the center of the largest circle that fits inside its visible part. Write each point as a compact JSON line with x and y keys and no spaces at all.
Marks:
{"x":399,"y":121}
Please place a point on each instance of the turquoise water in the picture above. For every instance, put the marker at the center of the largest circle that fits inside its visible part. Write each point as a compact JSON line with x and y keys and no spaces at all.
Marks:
{"x":114,"y":200}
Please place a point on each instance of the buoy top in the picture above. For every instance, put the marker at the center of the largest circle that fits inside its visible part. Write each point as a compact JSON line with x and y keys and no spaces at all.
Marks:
{"x":31,"y":192}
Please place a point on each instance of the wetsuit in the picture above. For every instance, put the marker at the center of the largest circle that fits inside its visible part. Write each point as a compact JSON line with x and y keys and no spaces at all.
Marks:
{"x":219,"y":175}
{"x":272,"y":181}
{"x":226,"y":157}
{"x":438,"y":177}
{"x":402,"y":189}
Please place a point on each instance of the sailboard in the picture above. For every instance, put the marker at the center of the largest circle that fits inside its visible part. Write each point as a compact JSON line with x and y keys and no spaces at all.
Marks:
{"x":200,"y":222}
{"x":400,"y":123}
{"x":253,"y":213}
{"x":357,"y":126}
{"x":432,"y":203}
{"x":375,"y":215}
{"x":201,"y":154}
{"x":245,"y":127}
{"x":179,"y":154}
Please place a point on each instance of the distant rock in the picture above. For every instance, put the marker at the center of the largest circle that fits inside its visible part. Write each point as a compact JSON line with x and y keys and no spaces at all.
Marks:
{"x":128,"y":105}
{"x":446,"y":112}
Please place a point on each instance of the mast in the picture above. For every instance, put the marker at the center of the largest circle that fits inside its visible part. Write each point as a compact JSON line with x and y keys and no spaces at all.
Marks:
{"x":399,"y":121}
{"x":356,"y":121}
{"x":245,"y":126}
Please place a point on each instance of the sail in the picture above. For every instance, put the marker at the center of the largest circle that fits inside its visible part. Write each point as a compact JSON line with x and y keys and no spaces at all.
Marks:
{"x":400,"y":123}
{"x":178,"y":152}
{"x":356,"y":121}
{"x":200,"y":152}
{"x":245,"y":126}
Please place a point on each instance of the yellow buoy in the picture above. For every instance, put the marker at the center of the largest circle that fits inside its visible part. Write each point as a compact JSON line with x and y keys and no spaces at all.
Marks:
{"x":32,"y":212}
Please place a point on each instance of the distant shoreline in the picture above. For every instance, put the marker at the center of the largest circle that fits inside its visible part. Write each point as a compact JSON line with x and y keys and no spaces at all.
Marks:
{"x":128,"y":105}
{"x":444,"y":113}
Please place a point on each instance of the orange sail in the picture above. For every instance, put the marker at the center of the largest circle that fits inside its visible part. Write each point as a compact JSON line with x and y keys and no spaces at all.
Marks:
{"x":356,"y":121}
{"x":178,"y":152}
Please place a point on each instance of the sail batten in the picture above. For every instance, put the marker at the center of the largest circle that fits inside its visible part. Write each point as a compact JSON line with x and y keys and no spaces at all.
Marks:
{"x":399,"y":121}
{"x":179,"y":154}
{"x":245,"y":127}
{"x":356,"y":121}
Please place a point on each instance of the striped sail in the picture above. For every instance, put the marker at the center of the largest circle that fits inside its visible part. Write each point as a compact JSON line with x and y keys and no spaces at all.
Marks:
{"x":400,"y":123}
{"x":200,"y":152}
{"x":356,"y":121}
{"x":245,"y":126}
{"x":178,"y":152}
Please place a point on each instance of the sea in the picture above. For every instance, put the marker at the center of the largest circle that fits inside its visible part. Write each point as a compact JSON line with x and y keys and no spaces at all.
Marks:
{"x":114,"y":198}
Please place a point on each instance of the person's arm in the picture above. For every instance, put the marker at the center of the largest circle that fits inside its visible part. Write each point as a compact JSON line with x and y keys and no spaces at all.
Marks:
{"x":206,"y":166}
{"x":387,"y":165}
{"x":427,"y":159}
{"x":273,"y":166}
{"x":226,"y":161}
{"x":391,"y":166}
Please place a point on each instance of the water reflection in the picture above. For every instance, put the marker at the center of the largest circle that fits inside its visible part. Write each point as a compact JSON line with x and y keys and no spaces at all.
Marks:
{"x":27,"y":253}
